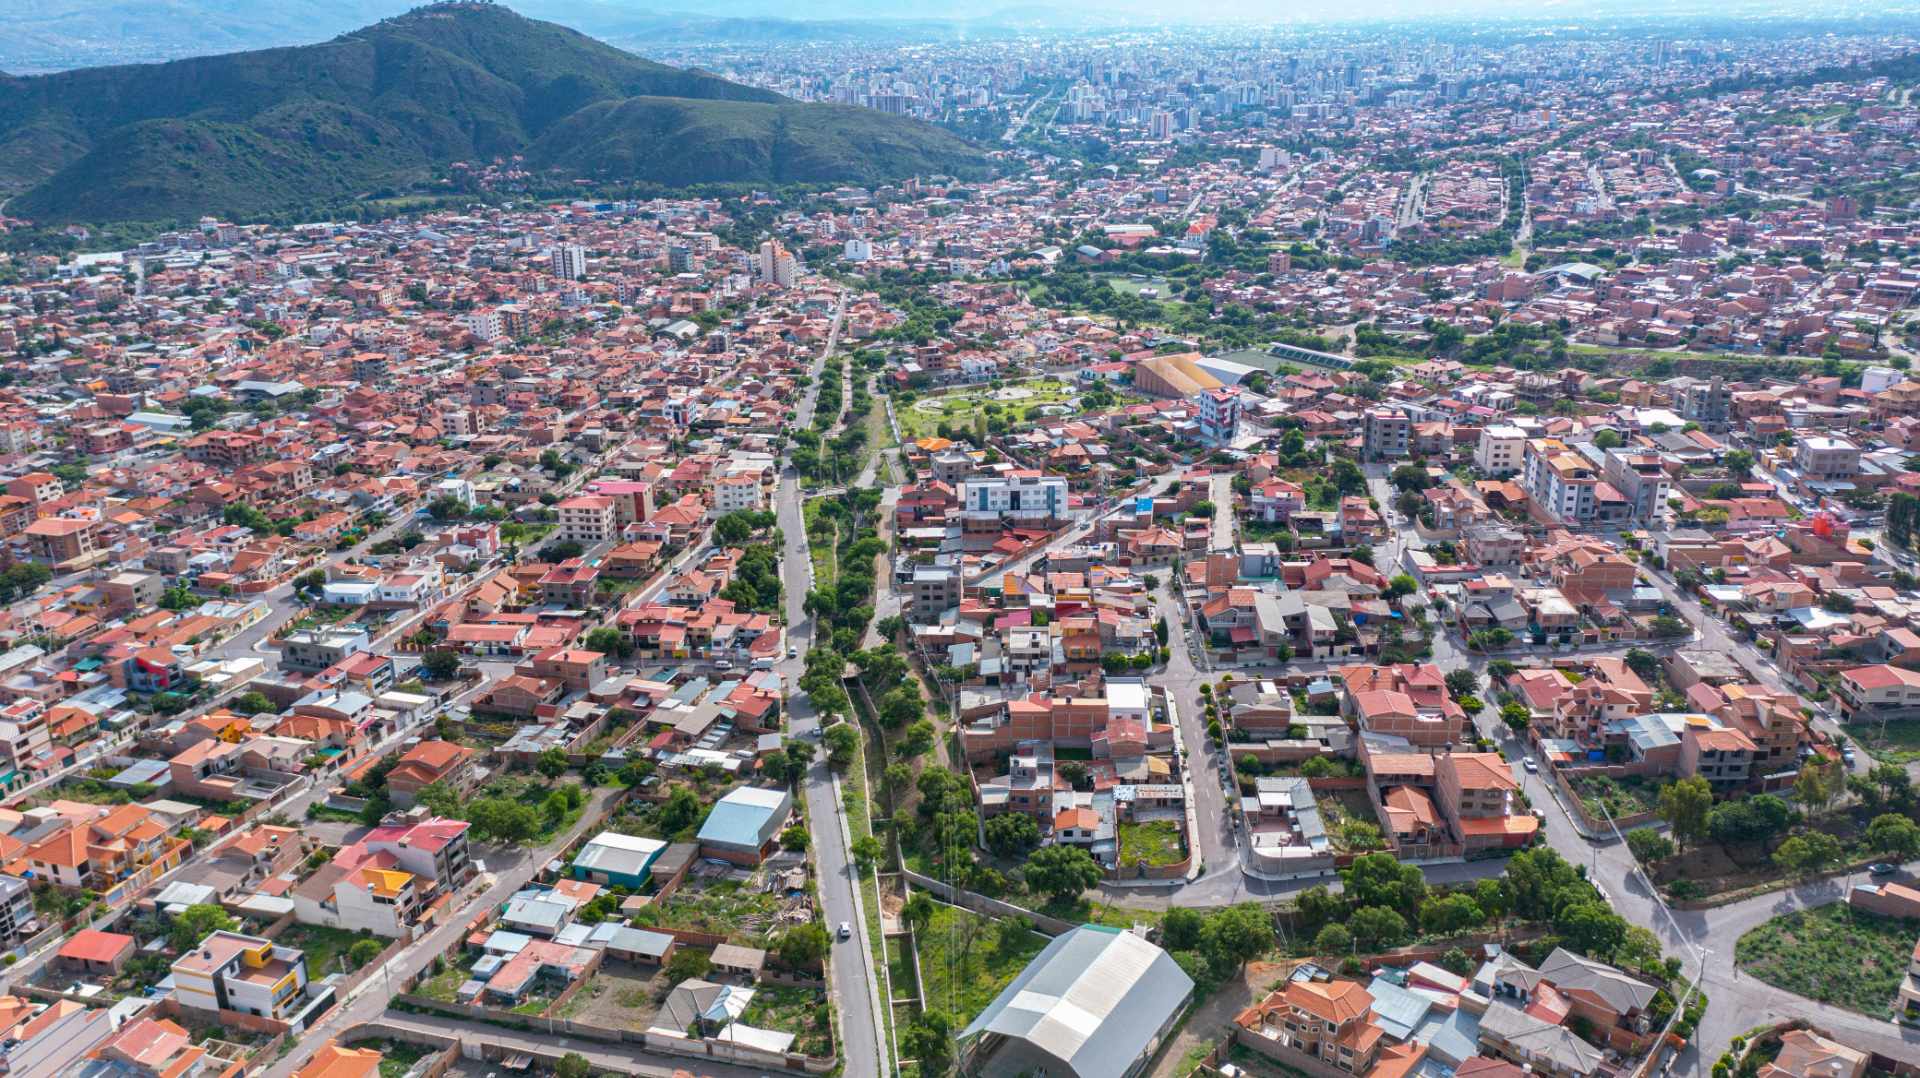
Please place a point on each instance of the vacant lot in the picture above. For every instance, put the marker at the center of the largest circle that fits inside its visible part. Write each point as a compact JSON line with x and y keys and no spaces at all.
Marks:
{"x":727,"y":907}
{"x":1156,"y":842}
{"x":1620,"y":797}
{"x":967,"y":959}
{"x":802,"y":1012}
{"x":1899,"y":743}
{"x":1832,"y":954}
{"x":325,"y":948}
{"x":622,"y":995}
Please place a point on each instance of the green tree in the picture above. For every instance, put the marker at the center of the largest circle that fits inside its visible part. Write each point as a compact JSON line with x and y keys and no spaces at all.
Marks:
{"x":1591,"y":928}
{"x":1818,"y":783}
{"x":551,"y":762}
{"x":1333,"y":940}
{"x":1450,"y":914}
{"x":363,"y":952}
{"x":1516,"y":715}
{"x":1894,"y":835}
{"x":867,"y":851}
{"x":918,"y":910}
{"x":803,"y":946}
{"x":196,"y":923}
{"x":572,"y":1065}
{"x":1462,"y":682}
{"x":1377,"y":926}
{"x":929,"y":1041}
{"x":1643,"y":663}
{"x":1234,"y":936}
{"x":680,"y":811}
{"x":688,"y":963}
{"x":1061,"y":871}
{"x":1012,"y":834}
{"x":253,"y":703}
{"x":1805,"y":855}
{"x":607,"y":641}
{"x":1180,"y":929}
{"x":843,"y":745}
{"x":1649,"y":846}
{"x":1684,"y":804}
{"x":1378,"y":879}
{"x":502,"y":819}
{"x":1750,"y":820}
{"x":440,"y":665}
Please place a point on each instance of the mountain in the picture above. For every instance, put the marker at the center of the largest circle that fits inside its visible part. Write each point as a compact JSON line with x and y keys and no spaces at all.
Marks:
{"x":382,"y":107}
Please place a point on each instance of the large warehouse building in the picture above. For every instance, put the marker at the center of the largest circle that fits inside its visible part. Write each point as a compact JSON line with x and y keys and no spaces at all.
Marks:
{"x":1095,"y":1003}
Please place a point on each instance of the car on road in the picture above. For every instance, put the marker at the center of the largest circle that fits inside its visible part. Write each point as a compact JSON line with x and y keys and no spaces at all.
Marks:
{"x":1847,"y":755}
{"x":845,"y":933}
{"x":1881,"y":868}
{"x":793,"y":653}
{"x":1532,"y":765}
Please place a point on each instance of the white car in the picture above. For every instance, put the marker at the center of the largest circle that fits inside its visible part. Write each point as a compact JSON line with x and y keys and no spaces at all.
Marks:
{"x":1532,"y":765}
{"x":845,"y":932}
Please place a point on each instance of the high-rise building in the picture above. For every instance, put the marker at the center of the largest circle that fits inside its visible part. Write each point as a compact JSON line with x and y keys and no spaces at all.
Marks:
{"x":776,"y":264}
{"x":570,"y":261}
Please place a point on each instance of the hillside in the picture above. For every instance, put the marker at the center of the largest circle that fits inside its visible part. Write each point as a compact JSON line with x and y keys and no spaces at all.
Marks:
{"x":382,"y":107}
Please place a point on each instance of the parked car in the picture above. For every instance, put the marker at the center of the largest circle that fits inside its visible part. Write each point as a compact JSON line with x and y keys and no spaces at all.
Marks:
{"x":1881,"y":868}
{"x":845,"y":932}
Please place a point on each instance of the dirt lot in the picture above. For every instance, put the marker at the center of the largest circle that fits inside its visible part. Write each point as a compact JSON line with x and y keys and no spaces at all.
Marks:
{"x":1209,"y":1024}
{"x":622,"y":995}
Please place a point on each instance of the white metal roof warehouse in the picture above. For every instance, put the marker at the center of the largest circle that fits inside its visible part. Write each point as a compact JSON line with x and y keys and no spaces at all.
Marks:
{"x":1095,"y":1003}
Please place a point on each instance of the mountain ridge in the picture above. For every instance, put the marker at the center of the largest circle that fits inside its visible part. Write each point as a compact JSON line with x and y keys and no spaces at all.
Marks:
{"x":388,"y":105}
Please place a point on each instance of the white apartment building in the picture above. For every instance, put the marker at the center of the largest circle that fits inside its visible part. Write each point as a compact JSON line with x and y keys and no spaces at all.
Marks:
{"x":23,"y":730}
{"x":1560,"y":480}
{"x":1500,"y":450}
{"x":1219,"y":415}
{"x":569,"y":261}
{"x":229,"y":971}
{"x":586,"y":518}
{"x":1024,"y":498}
{"x":738,"y":493}
{"x":483,"y":324}
{"x":777,"y":265}
{"x":383,"y":901}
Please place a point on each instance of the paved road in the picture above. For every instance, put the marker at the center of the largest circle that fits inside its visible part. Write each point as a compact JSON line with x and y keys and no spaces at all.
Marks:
{"x":853,"y":976}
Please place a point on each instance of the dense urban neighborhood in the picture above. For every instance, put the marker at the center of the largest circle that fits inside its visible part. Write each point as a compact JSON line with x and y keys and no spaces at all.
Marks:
{"x":1340,"y":553}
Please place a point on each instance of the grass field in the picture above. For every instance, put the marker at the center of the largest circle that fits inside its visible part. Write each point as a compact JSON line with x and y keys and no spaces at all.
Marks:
{"x":1132,"y":287}
{"x":1156,"y":842}
{"x":967,"y":959}
{"x":1832,"y":954}
{"x":921,"y":418}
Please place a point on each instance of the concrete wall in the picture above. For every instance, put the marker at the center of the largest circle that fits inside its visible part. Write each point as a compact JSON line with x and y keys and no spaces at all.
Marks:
{"x":992,"y":907}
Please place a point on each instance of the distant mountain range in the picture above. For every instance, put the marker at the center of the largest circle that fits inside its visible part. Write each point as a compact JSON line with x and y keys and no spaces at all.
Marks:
{"x":54,"y":35}
{"x":385,"y":106}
